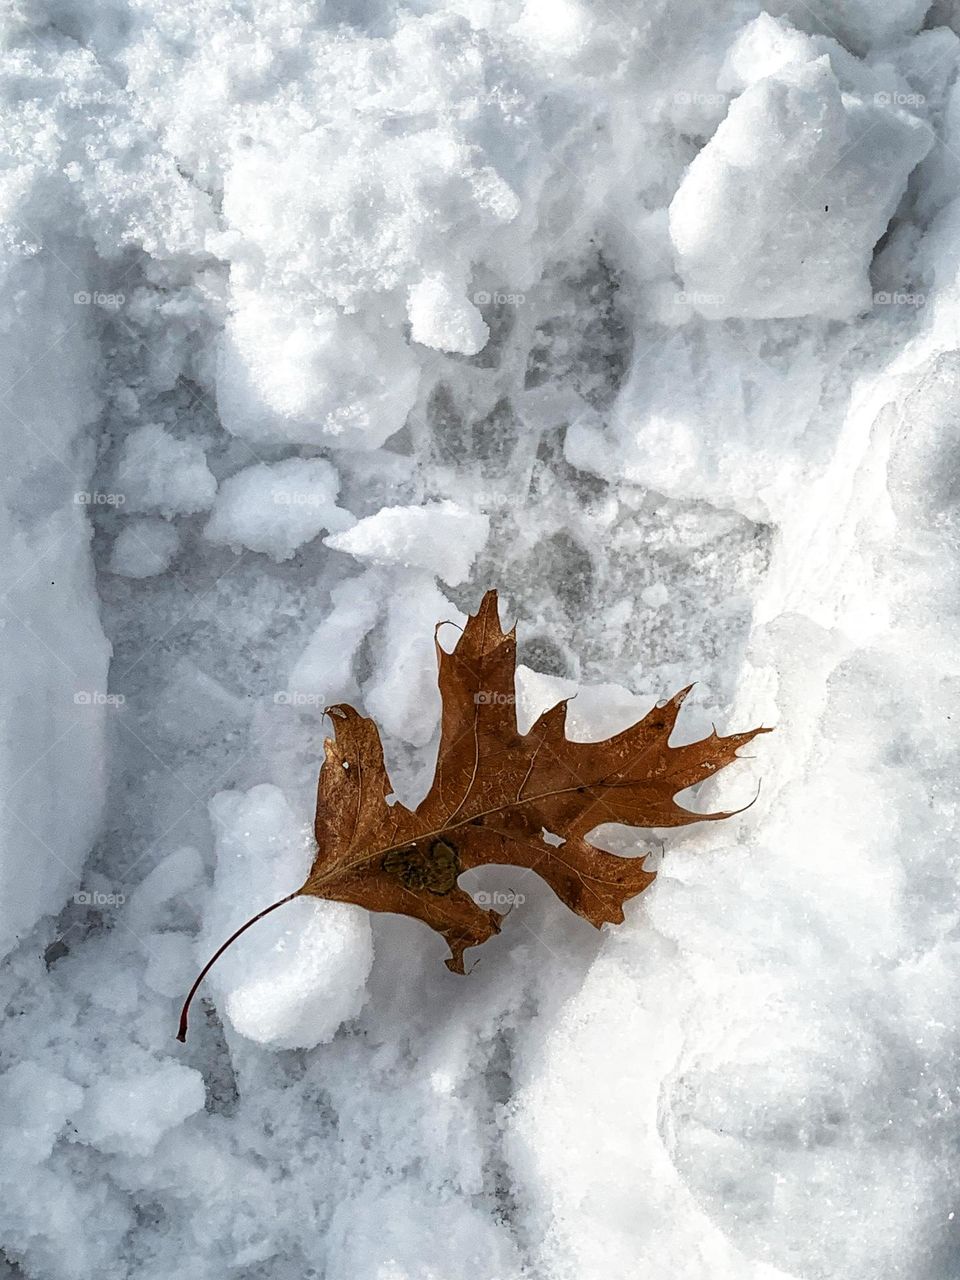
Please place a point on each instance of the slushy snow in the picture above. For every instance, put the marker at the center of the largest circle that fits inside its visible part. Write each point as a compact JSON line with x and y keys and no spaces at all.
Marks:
{"x":318,"y":321}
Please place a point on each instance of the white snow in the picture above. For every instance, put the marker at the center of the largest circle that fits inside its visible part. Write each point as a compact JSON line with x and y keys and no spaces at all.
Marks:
{"x":311,"y":377}
{"x":443,"y":537}
{"x":442,"y":318}
{"x":158,"y":471}
{"x":316,"y":322}
{"x":290,"y":982}
{"x":128,"y":1115}
{"x":144,"y":548}
{"x":324,"y":670}
{"x":778,"y":214}
{"x":35,"y":1104}
{"x":54,"y":684}
{"x":402,"y":694}
{"x":276,"y":508}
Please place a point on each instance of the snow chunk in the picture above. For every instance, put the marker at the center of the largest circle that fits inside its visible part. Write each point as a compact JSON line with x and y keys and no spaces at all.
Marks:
{"x":35,"y":1104}
{"x":144,"y":548}
{"x":293,"y":978}
{"x":176,"y":874}
{"x":277,"y":507}
{"x":556,"y":27}
{"x":402,"y":695}
{"x":312,"y":377}
{"x":159,"y":472}
{"x":797,"y":184}
{"x":441,"y":537}
{"x":325,"y":668}
{"x":443,"y":318}
{"x":128,"y":1115}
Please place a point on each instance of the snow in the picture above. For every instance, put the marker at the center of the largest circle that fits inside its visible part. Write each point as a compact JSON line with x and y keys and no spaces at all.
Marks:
{"x":158,"y":471}
{"x":53,"y":707}
{"x":144,"y":548}
{"x":128,"y":1115}
{"x":778,"y":214}
{"x":294,"y":981}
{"x":311,"y":377}
{"x":277,"y":507}
{"x":442,"y":537}
{"x":439,"y":318}
{"x":317,"y":321}
{"x":36,"y":1104}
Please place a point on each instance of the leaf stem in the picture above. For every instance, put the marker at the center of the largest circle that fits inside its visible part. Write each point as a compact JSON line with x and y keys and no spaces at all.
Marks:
{"x":184,"y":1012}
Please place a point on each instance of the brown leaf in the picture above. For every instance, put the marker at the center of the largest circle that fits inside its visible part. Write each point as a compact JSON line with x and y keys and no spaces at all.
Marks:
{"x":495,"y":795}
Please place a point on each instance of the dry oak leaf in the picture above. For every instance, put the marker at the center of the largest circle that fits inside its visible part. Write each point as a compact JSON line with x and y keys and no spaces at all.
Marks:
{"x":495,"y":796}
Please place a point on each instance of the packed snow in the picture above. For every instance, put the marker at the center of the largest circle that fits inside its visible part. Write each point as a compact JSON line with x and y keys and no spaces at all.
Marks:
{"x":317,"y":321}
{"x":275,"y":508}
{"x":441,"y":537}
{"x":144,"y":547}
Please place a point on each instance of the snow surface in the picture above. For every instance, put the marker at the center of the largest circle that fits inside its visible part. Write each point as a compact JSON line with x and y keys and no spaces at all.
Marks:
{"x":144,"y":547}
{"x":277,"y":507}
{"x":319,"y":319}
{"x":442,"y":537}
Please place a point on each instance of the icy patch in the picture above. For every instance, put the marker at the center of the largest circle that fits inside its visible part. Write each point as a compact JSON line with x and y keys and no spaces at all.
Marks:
{"x":159,"y":472}
{"x":144,"y":548}
{"x":442,"y":537}
{"x":298,"y":974}
{"x":277,"y":507}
